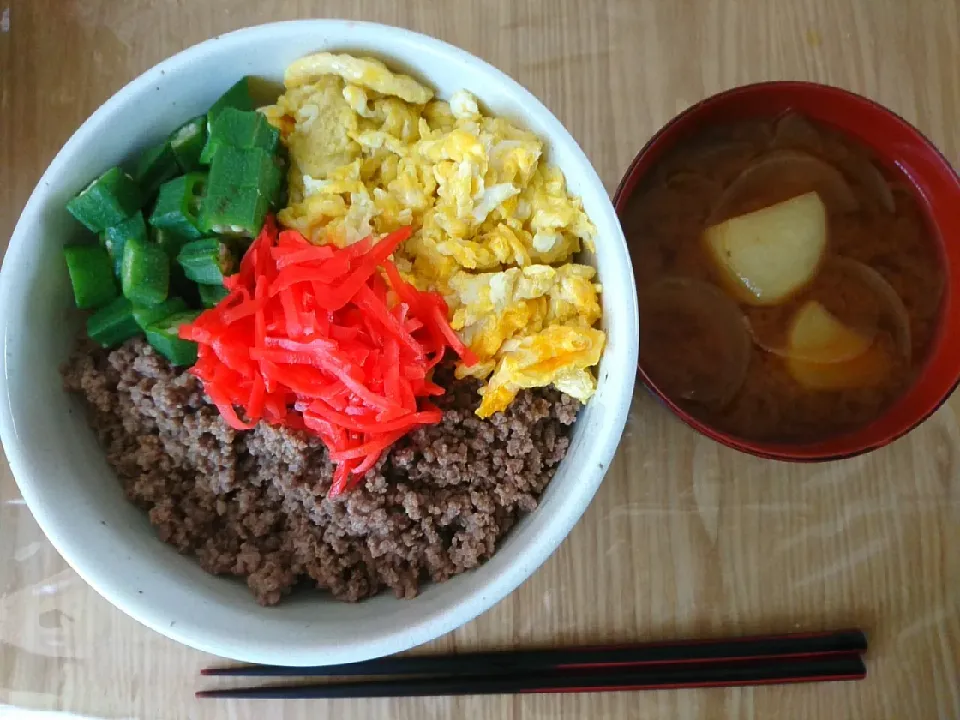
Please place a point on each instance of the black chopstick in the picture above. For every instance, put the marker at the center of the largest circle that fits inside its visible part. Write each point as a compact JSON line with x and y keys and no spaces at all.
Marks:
{"x":511,"y":661}
{"x":843,"y":667}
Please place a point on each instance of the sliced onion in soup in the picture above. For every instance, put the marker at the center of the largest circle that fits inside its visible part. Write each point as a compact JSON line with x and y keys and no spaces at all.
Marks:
{"x":795,"y":132}
{"x":780,"y":175}
{"x":718,"y":161}
{"x":893,"y":313}
{"x":695,"y":345}
{"x":693,"y":183}
{"x":864,"y":171}
{"x":858,"y":165}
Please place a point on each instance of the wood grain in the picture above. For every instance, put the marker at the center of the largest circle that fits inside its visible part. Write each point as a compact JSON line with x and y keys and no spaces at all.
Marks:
{"x":684,"y":537}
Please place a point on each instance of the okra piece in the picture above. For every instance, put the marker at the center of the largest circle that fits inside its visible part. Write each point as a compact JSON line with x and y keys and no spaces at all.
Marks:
{"x":250,"y":168}
{"x":187,"y":142}
{"x":147,"y":315}
{"x":107,"y":201}
{"x":91,"y":274}
{"x":239,"y":96}
{"x":235,"y":211}
{"x":274,"y":181}
{"x":116,"y":237}
{"x":210,"y":295}
{"x":145,"y":273}
{"x":180,"y":284}
{"x":241,"y":185}
{"x":178,"y":205}
{"x":248,"y":93}
{"x":164,"y":337}
{"x":206,"y":261}
{"x":243,"y":129}
{"x":157,"y":165}
{"x":113,"y":323}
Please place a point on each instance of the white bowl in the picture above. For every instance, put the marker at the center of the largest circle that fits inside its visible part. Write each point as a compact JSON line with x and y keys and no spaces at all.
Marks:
{"x":62,"y":472}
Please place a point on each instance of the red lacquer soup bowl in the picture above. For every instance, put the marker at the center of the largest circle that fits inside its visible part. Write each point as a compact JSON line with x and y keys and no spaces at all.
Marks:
{"x":896,"y":144}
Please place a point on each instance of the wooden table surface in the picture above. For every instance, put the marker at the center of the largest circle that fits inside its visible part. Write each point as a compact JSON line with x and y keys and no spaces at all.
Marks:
{"x":685,"y":537}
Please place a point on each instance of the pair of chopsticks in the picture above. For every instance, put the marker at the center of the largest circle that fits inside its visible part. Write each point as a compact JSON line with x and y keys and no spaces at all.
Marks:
{"x":758,"y":660}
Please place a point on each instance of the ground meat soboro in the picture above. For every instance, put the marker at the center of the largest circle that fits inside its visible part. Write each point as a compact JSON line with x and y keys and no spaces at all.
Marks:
{"x":254,"y":504}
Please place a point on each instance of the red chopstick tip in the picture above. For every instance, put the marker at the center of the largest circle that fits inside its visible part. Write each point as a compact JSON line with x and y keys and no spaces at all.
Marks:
{"x":208,"y":671}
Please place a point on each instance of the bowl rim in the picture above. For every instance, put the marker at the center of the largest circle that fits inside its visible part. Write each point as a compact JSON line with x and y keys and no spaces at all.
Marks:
{"x":468,"y":604}
{"x":800,"y":452}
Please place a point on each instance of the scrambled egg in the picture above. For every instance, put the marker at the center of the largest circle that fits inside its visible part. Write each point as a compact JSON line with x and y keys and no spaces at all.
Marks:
{"x":529,"y":327}
{"x":494,"y":227}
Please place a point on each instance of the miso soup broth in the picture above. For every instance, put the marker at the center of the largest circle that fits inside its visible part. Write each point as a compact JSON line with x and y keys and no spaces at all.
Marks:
{"x":789,"y":286}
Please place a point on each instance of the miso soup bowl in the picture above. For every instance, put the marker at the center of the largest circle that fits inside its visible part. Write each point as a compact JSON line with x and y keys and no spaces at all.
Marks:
{"x":896,"y":144}
{"x":63,"y":474}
